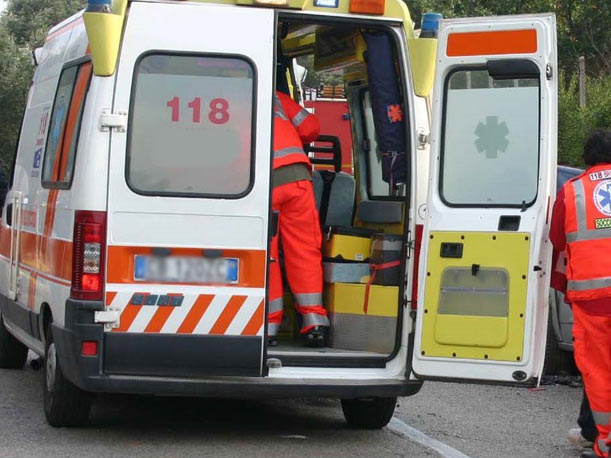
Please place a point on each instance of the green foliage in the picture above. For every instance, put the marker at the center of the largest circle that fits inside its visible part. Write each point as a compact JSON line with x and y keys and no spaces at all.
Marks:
{"x":583,"y":25}
{"x":23,"y":27}
{"x":15,"y":74}
{"x":574,"y":122}
{"x":28,"y":21}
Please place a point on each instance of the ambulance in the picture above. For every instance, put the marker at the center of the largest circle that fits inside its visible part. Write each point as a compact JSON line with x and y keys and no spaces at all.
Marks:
{"x":134,"y":240}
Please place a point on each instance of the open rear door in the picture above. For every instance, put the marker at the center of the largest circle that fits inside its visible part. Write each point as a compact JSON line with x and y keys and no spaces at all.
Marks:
{"x":188,"y":198}
{"x":484,"y":277}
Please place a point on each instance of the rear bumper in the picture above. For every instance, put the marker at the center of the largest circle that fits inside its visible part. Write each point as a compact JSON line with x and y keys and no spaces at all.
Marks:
{"x":90,"y":374}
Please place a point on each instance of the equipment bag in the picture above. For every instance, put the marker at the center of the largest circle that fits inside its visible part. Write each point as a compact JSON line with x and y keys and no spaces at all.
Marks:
{"x":387,"y":107}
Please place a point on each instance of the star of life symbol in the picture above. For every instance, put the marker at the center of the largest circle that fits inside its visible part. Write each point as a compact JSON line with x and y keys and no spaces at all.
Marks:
{"x":602,"y":197}
{"x":492,"y":137}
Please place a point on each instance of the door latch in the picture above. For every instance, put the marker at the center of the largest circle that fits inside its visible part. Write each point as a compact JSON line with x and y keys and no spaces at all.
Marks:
{"x":113,"y":121}
{"x":110,"y":318}
{"x":423,"y":139}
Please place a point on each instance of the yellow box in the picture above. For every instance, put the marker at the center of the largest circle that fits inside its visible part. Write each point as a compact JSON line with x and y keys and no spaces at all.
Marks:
{"x":351,"y":328}
{"x":349,"y":298}
{"x":347,"y":243}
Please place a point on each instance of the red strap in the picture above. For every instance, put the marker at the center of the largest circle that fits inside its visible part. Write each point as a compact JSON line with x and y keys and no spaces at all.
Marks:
{"x":375,"y":268}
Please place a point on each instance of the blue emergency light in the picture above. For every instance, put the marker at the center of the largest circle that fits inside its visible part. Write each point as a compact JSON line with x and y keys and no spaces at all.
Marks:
{"x":99,"y":6}
{"x":430,"y":25}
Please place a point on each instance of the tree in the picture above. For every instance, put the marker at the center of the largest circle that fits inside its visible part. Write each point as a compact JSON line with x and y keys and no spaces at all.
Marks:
{"x":23,"y":27}
{"x":28,"y":21}
{"x":15,"y":74}
{"x":583,"y":25}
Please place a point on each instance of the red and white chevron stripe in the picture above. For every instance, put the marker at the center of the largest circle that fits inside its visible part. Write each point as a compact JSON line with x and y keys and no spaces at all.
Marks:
{"x":213,"y":314}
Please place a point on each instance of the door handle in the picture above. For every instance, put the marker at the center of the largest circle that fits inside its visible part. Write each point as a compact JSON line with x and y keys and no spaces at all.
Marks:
{"x":9,"y":214}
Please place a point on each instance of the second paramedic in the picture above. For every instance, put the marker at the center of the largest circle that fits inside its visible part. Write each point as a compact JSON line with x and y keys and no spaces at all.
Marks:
{"x":298,"y":225}
{"x":581,"y":226}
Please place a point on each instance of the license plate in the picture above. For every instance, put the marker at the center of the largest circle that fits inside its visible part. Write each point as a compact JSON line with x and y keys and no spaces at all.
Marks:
{"x":186,"y":269}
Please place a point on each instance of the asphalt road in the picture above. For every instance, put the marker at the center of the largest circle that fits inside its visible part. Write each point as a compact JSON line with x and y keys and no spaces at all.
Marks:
{"x":478,"y":421}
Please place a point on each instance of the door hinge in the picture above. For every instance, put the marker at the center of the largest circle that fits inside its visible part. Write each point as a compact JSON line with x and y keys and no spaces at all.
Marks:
{"x":113,"y":121}
{"x":423,"y":139}
{"x":110,"y":318}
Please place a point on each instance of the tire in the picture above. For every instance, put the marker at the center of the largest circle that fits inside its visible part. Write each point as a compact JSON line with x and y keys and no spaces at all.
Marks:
{"x":557,"y":360}
{"x":372,"y":413}
{"x":13,"y":354}
{"x":65,"y":404}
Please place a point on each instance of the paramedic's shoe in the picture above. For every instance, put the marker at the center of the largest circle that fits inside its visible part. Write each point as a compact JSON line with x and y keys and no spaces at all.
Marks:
{"x":272,"y":341}
{"x":316,"y":337}
{"x":575,"y":438}
{"x":588,"y":453}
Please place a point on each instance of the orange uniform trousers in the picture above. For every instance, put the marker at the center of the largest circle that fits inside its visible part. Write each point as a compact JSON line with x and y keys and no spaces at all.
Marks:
{"x":592,"y":346}
{"x":301,"y":238}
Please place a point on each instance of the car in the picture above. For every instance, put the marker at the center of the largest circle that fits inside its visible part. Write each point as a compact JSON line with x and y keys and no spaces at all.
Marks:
{"x":559,"y":349}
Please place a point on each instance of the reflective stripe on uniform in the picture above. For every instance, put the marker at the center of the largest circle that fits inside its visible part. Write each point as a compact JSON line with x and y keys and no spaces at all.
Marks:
{"x":286,"y":151}
{"x":276,"y":305}
{"x":314,"y":319}
{"x":308,"y":299}
{"x":583,"y":233}
{"x":585,"y":285}
{"x":300,"y":117}
{"x":601,"y":418}
{"x":594,"y":234}
{"x":272,"y":329}
{"x":278,"y":110}
{"x":602,"y":445}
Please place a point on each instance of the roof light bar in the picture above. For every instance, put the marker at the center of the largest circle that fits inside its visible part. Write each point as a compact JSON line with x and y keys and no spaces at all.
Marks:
{"x":99,"y":6}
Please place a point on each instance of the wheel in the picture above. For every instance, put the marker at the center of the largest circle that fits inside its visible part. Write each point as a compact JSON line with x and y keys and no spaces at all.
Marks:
{"x":557,"y":360}
{"x":65,"y":404}
{"x":372,"y":413}
{"x":13,"y":354}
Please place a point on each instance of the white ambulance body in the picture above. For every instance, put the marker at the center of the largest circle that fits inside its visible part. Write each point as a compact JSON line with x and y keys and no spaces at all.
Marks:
{"x":134,"y":238}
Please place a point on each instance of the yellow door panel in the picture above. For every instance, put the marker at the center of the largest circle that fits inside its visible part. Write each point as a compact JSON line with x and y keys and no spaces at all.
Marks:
{"x":475,"y":295}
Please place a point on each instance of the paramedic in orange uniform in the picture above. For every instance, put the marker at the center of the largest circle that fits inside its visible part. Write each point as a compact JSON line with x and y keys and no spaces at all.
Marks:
{"x":581,"y":226}
{"x":298,"y":224}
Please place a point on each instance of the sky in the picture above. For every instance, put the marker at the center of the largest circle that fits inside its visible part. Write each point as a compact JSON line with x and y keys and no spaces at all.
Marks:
{"x":2,"y":5}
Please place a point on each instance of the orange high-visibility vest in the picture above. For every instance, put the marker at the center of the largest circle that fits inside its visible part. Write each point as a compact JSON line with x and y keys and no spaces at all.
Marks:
{"x":293,"y":126}
{"x":587,"y":225}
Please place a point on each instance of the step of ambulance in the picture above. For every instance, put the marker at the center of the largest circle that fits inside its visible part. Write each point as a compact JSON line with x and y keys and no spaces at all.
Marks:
{"x":347,"y":243}
{"x":353,"y":327}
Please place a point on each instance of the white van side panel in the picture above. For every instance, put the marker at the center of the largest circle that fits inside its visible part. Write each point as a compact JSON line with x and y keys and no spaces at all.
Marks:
{"x":47,"y":216}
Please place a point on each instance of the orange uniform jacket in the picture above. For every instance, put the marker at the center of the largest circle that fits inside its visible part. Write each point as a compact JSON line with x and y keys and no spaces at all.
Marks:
{"x":293,"y":127}
{"x":583,"y":208}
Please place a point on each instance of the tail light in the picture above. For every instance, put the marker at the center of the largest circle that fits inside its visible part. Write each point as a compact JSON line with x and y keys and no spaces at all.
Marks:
{"x":88,"y":257}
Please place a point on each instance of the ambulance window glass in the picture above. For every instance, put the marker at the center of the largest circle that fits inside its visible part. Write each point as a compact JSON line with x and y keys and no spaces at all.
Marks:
{"x":490,"y":151}
{"x":57,"y":126}
{"x":191,"y":126}
{"x":377,"y":188}
{"x":62,"y":141}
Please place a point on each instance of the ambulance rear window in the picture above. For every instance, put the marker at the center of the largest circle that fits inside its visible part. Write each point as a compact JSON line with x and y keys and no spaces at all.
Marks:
{"x":490,"y":147}
{"x":191,"y":126}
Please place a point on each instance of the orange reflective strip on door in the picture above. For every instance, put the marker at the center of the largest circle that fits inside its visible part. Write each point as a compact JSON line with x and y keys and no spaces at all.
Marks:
{"x":120,"y":263}
{"x":492,"y":42}
{"x":128,"y":316}
{"x":110,"y":296}
{"x":231,"y":310}
{"x":159,"y":319}
{"x":195,"y":314}
{"x":255,"y":323}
